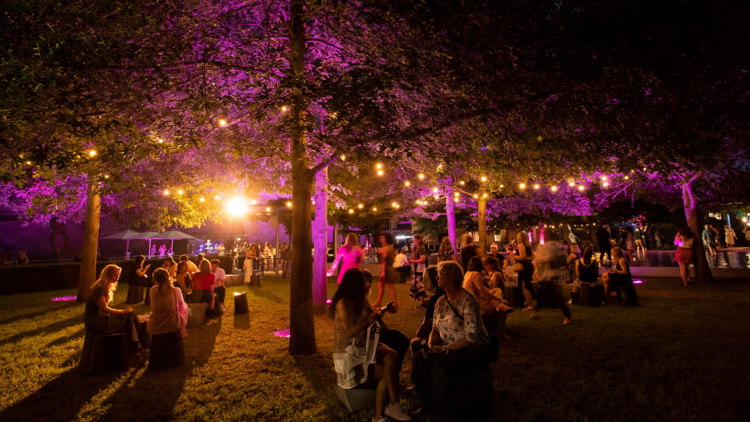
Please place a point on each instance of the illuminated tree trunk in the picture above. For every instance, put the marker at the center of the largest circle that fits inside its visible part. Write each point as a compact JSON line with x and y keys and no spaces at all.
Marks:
{"x":692,"y":213}
{"x":301,"y":321}
{"x":450,"y":211}
{"x":87,"y":274}
{"x":320,"y":237}
{"x":482,"y":220}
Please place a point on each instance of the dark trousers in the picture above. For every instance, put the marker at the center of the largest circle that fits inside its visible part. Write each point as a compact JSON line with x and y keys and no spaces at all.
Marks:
{"x":397,"y":341}
{"x":220,"y":294}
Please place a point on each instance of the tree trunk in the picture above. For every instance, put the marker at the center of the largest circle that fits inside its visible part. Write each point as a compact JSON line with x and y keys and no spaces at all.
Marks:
{"x":320,"y":238}
{"x":301,"y":321}
{"x":700,"y":262}
{"x":482,"y":219}
{"x":87,"y":275}
{"x":450,"y":212}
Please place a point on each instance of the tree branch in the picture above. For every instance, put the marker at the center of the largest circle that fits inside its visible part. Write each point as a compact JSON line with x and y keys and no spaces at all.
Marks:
{"x":323,"y":164}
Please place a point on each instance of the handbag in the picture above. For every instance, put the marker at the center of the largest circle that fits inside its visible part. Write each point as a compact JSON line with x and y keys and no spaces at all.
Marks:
{"x":182,"y":315}
{"x":493,"y":353}
{"x":346,"y":362}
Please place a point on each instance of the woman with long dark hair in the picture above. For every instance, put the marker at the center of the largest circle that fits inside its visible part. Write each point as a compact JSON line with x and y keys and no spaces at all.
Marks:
{"x":418,"y":259}
{"x":388,"y":274}
{"x":684,"y":254}
{"x":352,"y":316}
{"x":525,"y":268}
{"x":618,"y":277}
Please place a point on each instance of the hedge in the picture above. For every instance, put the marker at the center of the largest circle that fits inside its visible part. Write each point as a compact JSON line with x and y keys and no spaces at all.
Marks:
{"x":64,"y":275}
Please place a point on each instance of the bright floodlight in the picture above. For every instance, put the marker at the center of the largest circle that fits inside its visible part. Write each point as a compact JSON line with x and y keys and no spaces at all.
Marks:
{"x":236,"y":206}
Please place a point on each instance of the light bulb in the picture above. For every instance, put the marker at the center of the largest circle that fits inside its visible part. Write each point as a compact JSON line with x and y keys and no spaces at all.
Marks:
{"x":571,"y":184}
{"x":407,"y":183}
{"x":351,"y":211}
{"x":161,"y":141}
{"x":217,"y":197}
{"x":28,"y":162}
{"x":360,"y":206}
{"x":179,"y":192}
{"x":92,"y":152}
{"x":435,"y":190}
{"x":437,"y":197}
{"x":106,"y":176}
{"x":484,"y":196}
{"x":343,"y":157}
{"x":252,"y":202}
{"x":393,"y":204}
{"x":627,"y":177}
{"x":536,"y":186}
{"x":554,"y":188}
{"x":522,"y":186}
{"x":289,"y":204}
{"x":421,"y":176}
{"x":283,"y":108}
{"x":380,"y":166}
{"x":581,"y":188}
{"x":202,"y":200}
{"x":222,"y":122}
{"x":484,"y":179}
{"x":166,"y":192}
{"x":604,"y":177}
{"x":456,"y":194}
{"x":268,"y":209}
{"x":462,"y":183}
{"x":605,"y":184}
{"x":374,"y":209}
{"x":380,"y":172}
{"x":476,"y":196}
{"x":455,"y":200}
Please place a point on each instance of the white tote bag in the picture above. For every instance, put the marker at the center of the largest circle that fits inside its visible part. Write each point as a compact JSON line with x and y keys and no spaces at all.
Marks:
{"x":373,"y":338}
{"x":346,"y":362}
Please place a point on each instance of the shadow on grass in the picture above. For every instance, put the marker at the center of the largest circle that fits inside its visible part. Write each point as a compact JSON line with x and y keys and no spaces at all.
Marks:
{"x":155,"y":394}
{"x":257,"y":291}
{"x":57,"y":326}
{"x":60,"y":399}
{"x":34,"y":314}
{"x":322,"y":377}
{"x":65,"y":339}
{"x":242,"y":321}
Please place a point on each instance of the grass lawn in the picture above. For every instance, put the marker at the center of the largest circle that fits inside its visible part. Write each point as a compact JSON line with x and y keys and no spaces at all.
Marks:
{"x":684,"y":355}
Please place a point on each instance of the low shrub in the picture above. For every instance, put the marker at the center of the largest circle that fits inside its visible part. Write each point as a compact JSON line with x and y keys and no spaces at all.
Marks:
{"x":64,"y":275}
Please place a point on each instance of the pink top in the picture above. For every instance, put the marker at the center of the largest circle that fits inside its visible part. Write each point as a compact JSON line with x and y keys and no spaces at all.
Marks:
{"x":352,"y":258}
{"x":163,"y":318}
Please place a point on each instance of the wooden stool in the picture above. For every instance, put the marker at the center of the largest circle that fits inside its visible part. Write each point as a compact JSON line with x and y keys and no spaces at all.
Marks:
{"x":359,"y":398}
{"x":240,"y":303}
{"x":109,"y":353}
{"x":197,"y":314}
{"x":167,"y":351}
{"x":144,"y":336}
{"x":255,"y":280}
{"x":135,"y":294}
{"x":512,"y":294}
{"x":626,"y":296}
{"x":590,"y":296}
{"x":88,"y":344}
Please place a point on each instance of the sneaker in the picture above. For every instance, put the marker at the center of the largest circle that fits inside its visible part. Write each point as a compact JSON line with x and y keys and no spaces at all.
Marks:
{"x":211,"y":322}
{"x":381,"y":419}
{"x":421,"y":307}
{"x":396,"y":412}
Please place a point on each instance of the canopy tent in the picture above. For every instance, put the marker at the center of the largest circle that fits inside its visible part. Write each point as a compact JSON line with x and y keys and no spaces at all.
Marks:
{"x":168,"y":235}
{"x":126,"y":235}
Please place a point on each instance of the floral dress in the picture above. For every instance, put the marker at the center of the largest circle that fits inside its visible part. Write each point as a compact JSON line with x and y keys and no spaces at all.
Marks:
{"x":446,"y":255}
{"x":417,"y":282}
{"x":452,"y":328}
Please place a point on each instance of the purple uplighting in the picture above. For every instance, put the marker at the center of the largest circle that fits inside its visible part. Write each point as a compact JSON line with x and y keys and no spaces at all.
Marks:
{"x":328,"y":302}
{"x":63,"y":298}
{"x":637,"y":281}
{"x":282,"y":333}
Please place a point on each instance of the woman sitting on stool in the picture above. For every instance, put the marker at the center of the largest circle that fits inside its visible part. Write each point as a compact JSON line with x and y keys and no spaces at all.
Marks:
{"x":352,"y":315}
{"x":203,"y":284}
{"x":99,"y":318}
{"x":620,"y":276}
{"x":493,"y":308}
{"x":165,"y":317}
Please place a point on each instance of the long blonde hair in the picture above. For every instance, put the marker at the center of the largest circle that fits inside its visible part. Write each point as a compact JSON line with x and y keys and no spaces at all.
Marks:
{"x":446,"y":244}
{"x":351,"y":241}
{"x":103,"y":281}
{"x":205,"y":267}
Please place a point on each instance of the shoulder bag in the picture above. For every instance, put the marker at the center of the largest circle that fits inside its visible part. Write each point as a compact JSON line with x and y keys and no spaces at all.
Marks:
{"x":182,"y":316}
{"x":493,"y":353}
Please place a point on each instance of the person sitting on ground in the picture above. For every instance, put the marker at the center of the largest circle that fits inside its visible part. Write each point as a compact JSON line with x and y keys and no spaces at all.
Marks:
{"x":684,"y":255}
{"x":167,"y":315}
{"x":99,"y":318}
{"x":352,"y":316}
{"x":191,"y":267}
{"x":170,"y":266}
{"x":458,"y":344}
{"x":184,"y":280}
{"x":220,"y":280}
{"x":22,"y":258}
{"x":203,"y":285}
{"x":618,"y":277}
{"x":468,"y":250}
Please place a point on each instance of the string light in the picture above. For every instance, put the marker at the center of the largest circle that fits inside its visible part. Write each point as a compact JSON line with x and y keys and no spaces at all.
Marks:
{"x":217,"y":197}
{"x":394,"y":204}
{"x":222,"y":122}
{"x":161,"y":141}
{"x":283,"y":109}
{"x":604,"y":177}
{"x":166,"y":192}
{"x":632,"y":171}
{"x":571,"y":184}
{"x":421,"y":176}
{"x":374,"y":209}
{"x":202,"y":200}
{"x":502,"y":186}
{"x":605,"y":184}
{"x":419,"y":202}
{"x":407,"y":183}
{"x":351,"y":211}
{"x":343,"y":157}
{"x":536,"y":186}
{"x":484,"y":179}
{"x":476,"y":196}
{"x":360,"y":206}
{"x":484,"y":196}
{"x":379,"y":166}
{"x":289,"y":204}
{"x":268,"y":209}
{"x":436,"y":197}
{"x":180,"y":192}
{"x":106,"y":176}
{"x":554,"y":188}
{"x":455,"y":199}
{"x":253,"y":202}
{"x":462,"y":183}
{"x":522,"y":186}
{"x":92,"y":152}
{"x":380,"y":172}
{"x":435,"y":190}
{"x":456,"y":194}
{"x":28,"y":163}
{"x":627,"y":177}
{"x":581,"y":188}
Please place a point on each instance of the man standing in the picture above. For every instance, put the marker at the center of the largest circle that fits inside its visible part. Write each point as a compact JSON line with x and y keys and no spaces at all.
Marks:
{"x":602,"y":238}
{"x":220,"y":278}
{"x":709,"y":239}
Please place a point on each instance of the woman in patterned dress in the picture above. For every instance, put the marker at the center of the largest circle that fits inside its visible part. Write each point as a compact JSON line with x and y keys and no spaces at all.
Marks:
{"x":418,"y":259}
{"x":446,"y":252}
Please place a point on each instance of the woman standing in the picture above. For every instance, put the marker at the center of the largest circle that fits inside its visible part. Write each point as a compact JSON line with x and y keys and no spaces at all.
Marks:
{"x":730,"y":237}
{"x":352,"y":315}
{"x":388,"y":274}
{"x":99,"y":318}
{"x":418,"y":259}
{"x":630,"y":242}
{"x":618,"y":277}
{"x":525,"y":269}
{"x":684,"y":255}
{"x":138,"y":277}
{"x":446,"y":252}
{"x":351,"y":255}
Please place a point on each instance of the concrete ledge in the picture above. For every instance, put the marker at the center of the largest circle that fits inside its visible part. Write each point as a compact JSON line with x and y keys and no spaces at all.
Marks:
{"x":675,"y":272}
